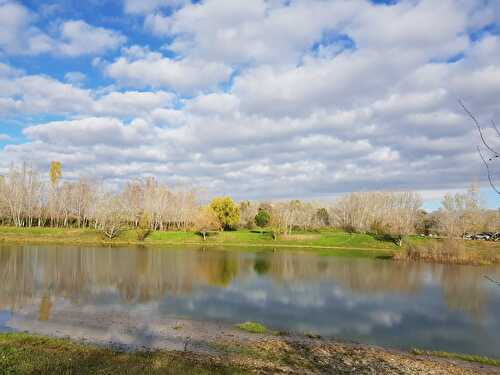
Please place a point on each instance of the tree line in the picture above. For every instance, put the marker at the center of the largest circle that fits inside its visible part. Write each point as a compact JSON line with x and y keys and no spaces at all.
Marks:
{"x":29,"y":199}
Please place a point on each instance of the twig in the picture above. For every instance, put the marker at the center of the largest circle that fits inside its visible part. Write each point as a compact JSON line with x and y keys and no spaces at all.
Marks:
{"x":493,"y":123}
{"x":494,"y":152}
{"x":487,"y":166}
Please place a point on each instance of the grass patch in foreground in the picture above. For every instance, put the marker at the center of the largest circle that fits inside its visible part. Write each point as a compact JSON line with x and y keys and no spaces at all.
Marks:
{"x":253,"y":327}
{"x":464,"y":357}
{"x":24,"y":354}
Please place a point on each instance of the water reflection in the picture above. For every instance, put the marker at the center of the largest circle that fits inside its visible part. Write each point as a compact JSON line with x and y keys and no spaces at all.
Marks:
{"x":387,"y":303}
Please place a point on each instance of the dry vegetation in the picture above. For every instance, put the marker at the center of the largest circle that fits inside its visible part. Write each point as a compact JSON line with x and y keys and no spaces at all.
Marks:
{"x":448,"y":251}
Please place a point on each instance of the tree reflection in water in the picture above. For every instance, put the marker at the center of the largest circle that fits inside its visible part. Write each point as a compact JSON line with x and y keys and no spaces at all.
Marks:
{"x":43,"y":275}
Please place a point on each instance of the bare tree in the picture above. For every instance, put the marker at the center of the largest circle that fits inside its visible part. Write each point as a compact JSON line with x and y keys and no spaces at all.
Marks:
{"x":110,"y":216}
{"x":461,"y":213}
{"x":391,"y":213}
{"x":206,"y":221}
{"x":401,"y":215}
{"x":248,"y":210}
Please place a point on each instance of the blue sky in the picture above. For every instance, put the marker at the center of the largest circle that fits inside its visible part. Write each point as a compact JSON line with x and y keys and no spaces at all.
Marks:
{"x":266,"y":99}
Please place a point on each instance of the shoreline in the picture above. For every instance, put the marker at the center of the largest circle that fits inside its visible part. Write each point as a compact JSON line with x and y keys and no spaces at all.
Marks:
{"x":224,"y":345}
{"x":326,"y":242}
{"x":320,"y":242}
{"x":41,"y":241}
{"x":236,"y":351}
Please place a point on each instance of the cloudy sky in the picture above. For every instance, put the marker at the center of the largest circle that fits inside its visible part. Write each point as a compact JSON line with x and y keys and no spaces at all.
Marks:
{"x":260,"y":99}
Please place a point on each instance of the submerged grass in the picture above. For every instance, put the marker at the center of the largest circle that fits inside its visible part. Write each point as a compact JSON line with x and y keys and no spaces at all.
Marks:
{"x":464,"y":357}
{"x":24,"y":354}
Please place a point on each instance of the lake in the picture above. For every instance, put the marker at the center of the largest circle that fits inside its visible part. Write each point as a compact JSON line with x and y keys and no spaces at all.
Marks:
{"x":65,"y":289}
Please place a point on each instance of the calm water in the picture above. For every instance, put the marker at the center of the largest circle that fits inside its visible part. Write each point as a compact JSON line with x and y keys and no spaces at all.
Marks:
{"x":386,"y":303}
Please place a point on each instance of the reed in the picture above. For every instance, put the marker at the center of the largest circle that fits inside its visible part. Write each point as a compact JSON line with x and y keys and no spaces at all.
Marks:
{"x":448,"y":251}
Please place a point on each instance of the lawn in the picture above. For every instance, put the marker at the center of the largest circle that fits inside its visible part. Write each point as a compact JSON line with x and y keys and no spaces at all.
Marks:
{"x":321,"y":239}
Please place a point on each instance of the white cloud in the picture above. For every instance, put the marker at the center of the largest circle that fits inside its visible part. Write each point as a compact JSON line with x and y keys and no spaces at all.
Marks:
{"x":146,"y":6}
{"x":30,"y":94}
{"x":79,"y":38}
{"x":154,"y":70}
{"x":262,"y":31}
{"x":270,"y":99}
{"x":250,"y":31}
{"x":75,"y":78}
{"x":214,"y":103}
{"x":346,"y":80}
{"x":7,"y":71}
{"x":90,"y":131}
{"x":35,"y":95}
{"x":132,"y":103}
{"x":19,"y":35}
{"x":400,"y":27}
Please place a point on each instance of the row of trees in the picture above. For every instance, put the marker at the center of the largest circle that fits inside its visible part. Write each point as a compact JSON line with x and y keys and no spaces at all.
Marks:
{"x":400,"y":214}
{"x":27,"y":199}
{"x":393,"y":214}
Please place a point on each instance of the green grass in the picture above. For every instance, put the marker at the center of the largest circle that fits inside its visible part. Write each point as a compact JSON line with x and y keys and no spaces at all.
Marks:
{"x":253,"y":327}
{"x":464,"y":357}
{"x":24,"y":354}
{"x":325,"y":242}
{"x":322,"y":239}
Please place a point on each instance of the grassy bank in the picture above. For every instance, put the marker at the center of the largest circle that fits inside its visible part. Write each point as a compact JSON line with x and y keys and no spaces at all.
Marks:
{"x":321,"y":239}
{"x":324,"y":242}
{"x":22,"y":354}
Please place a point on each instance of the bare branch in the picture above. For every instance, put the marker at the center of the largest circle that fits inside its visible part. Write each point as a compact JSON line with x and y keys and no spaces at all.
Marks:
{"x":493,"y":123}
{"x":490,"y":179}
{"x":476,"y":122}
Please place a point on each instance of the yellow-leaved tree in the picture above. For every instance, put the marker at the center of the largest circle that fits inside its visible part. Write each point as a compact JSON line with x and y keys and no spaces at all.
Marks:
{"x":226,"y":211}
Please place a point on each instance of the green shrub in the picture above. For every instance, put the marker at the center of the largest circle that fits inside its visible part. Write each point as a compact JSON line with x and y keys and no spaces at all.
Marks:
{"x":262,"y":218}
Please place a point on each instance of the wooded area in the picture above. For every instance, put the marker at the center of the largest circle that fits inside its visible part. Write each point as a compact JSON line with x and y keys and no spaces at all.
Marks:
{"x":27,"y":199}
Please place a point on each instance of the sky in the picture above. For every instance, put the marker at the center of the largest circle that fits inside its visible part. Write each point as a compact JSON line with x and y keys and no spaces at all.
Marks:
{"x":258,"y":99}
